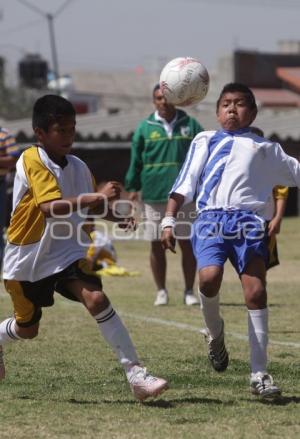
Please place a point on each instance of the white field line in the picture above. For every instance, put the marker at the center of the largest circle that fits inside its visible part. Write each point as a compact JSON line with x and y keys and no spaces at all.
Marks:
{"x":183,"y":326}
{"x":192,"y":328}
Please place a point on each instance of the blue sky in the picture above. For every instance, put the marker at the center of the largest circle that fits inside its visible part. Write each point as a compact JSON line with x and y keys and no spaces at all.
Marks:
{"x":123,"y":34}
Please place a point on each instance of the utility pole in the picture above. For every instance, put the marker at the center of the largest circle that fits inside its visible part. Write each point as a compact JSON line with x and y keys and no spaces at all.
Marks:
{"x":50,"y":19}
{"x":53,"y":47}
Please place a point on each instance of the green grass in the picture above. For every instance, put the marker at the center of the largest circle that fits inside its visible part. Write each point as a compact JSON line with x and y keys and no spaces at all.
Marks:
{"x":67,"y":384}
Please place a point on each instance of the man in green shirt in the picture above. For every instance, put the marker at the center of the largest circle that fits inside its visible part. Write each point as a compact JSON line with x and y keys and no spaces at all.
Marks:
{"x":159,"y":147}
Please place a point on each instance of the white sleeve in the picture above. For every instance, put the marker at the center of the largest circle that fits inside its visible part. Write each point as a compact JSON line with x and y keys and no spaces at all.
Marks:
{"x":186,"y":182}
{"x":286,"y":169}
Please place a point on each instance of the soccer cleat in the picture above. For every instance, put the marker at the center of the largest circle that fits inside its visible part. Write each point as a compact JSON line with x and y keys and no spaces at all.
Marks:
{"x":161,"y":298}
{"x":189,"y":298}
{"x":262,"y":384}
{"x":143,"y":385}
{"x":2,"y":366}
{"x":217,"y":353}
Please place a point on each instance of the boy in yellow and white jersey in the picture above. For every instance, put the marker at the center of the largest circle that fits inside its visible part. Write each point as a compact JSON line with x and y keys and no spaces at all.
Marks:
{"x":275,"y":212}
{"x":9,"y":154}
{"x":280,"y":195}
{"x":53,"y":194}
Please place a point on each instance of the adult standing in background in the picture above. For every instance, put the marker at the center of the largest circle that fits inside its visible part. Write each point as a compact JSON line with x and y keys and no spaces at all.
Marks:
{"x":159,"y":147}
{"x":9,"y":153}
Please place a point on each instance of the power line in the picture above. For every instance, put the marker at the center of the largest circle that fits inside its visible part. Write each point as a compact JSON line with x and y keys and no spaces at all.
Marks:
{"x":63,"y":6}
{"x":40,"y":11}
{"x":32,"y":7}
{"x":249,"y":4}
{"x":20,"y":28}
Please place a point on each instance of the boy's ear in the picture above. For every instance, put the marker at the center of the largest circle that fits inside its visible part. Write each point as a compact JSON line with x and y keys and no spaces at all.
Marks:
{"x":38,"y":133}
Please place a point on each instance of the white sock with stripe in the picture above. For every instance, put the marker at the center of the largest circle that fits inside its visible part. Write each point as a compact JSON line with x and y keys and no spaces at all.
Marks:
{"x":258,"y":339}
{"x":116,"y":335}
{"x":211,"y":313}
{"x":8,"y":331}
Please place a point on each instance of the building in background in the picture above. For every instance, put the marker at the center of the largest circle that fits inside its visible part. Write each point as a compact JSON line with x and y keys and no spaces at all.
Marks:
{"x":111,"y":104}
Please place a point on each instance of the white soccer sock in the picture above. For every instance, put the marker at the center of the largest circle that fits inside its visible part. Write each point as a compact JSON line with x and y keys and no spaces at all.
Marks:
{"x":258,"y":339}
{"x":211,"y":313}
{"x":8,"y":331}
{"x":116,"y":335}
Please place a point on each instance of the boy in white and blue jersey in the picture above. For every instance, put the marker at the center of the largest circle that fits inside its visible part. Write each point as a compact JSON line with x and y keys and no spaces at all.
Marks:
{"x":231,"y":174}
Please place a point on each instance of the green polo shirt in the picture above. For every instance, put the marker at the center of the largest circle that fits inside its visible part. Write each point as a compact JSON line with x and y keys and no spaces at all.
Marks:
{"x":156,"y":158}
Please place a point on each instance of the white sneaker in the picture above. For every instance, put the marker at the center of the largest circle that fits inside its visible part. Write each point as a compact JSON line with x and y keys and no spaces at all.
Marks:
{"x":190,"y":299}
{"x":2,"y":366}
{"x":161,"y":298}
{"x":262,"y":384}
{"x":143,"y":385}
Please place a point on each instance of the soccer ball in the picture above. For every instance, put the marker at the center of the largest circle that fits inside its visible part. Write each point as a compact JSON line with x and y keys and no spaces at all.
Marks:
{"x":184,"y":81}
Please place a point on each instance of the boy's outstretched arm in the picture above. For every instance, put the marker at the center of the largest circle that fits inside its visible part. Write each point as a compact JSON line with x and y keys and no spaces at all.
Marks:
{"x":168,"y":223}
{"x":95,"y":200}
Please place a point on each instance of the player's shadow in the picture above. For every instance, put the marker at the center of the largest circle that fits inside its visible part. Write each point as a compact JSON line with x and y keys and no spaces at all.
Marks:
{"x":159,"y":403}
{"x":102,"y":401}
{"x":281,"y":401}
{"x":171,"y":403}
{"x":84,"y":401}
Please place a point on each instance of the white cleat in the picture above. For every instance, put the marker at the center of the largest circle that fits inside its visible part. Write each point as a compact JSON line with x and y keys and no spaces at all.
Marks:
{"x":143,"y":385}
{"x":262,"y":384}
{"x":162,"y":298}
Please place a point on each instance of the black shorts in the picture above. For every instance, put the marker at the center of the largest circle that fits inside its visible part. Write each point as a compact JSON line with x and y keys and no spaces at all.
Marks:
{"x":273,"y":252}
{"x":29,"y":297}
{"x":273,"y":258}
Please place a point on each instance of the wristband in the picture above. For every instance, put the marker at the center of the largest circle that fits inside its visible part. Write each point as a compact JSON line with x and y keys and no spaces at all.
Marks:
{"x":168,"y":221}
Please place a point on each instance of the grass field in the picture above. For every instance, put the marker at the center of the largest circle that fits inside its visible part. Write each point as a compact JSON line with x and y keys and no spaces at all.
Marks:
{"x":67,"y":383}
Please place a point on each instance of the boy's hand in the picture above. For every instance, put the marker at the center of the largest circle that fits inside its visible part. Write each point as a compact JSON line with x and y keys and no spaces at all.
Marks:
{"x":128,"y":224}
{"x":111,"y":190}
{"x":167,"y":239}
{"x":274,"y":226}
{"x":133,"y":196}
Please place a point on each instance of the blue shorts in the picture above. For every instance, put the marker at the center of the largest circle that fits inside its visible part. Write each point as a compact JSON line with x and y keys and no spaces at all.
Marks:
{"x":238,"y":235}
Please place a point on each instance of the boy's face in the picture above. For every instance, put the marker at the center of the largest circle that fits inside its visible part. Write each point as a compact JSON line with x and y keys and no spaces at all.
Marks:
{"x":57,"y":141}
{"x":234,"y":111}
{"x":165,"y":110}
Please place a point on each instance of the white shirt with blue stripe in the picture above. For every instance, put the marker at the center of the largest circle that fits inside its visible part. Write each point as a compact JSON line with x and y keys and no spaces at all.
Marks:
{"x":235,"y":170}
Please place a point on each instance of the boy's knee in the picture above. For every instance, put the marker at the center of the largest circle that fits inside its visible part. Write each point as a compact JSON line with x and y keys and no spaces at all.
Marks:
{"x":256,"y":297}
{"x":98,"y":302}
{"x":208,"y":287}
{"x":210,"y":282}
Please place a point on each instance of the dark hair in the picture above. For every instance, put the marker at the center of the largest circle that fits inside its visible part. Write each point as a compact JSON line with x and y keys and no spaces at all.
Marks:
{"x":259,"y":132}
{"x":49,"y":109}
{"x":156,"y":87}
{"x":233,"y":87}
